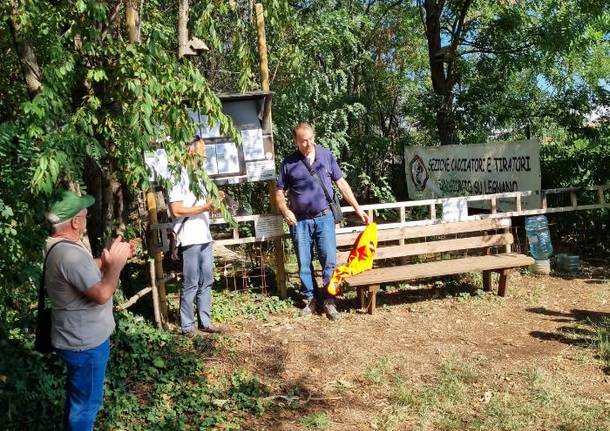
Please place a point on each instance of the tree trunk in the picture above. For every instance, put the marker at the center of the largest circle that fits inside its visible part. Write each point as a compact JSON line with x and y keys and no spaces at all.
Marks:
{"x":27,"y":57}
{"x":183,"y":32}
{"x":133,"y":21}
{"x":442,"y":64}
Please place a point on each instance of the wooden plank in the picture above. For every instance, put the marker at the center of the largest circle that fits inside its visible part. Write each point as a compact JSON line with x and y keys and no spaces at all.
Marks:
{"x":440,"y":268}
{"x":430,"y":230}
{"x":437,"y":246}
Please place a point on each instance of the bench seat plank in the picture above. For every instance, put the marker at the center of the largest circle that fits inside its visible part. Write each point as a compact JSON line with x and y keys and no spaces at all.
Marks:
{"x":439,"y":268}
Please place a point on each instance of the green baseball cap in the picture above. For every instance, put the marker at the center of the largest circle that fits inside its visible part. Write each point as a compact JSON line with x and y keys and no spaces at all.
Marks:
{"x":67,"y":205}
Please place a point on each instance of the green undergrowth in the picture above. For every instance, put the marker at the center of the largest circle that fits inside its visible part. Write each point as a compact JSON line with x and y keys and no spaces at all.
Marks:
{"x":155,"y":381}
{"x":236,"y":305}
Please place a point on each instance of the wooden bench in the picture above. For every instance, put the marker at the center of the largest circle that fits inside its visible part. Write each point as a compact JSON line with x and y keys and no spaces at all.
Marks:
{"x":437,"y":250}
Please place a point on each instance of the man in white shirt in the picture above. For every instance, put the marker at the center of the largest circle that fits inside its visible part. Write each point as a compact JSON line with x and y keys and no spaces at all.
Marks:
{"x":193,"y":230}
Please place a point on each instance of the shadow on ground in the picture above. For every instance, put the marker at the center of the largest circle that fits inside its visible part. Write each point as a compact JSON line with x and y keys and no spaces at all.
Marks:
{"x":584,"y":331}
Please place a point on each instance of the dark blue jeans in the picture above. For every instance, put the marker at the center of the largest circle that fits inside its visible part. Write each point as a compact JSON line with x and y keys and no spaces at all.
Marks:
{"x":198,"y":273}
{"x":84,"y":385}
{"x":317,"y":232}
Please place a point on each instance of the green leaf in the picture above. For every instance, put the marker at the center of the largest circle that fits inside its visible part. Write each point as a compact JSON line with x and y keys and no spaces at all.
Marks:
{"x":159,"y":362}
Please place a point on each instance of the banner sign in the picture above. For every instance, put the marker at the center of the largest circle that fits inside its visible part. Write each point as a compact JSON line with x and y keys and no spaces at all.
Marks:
{"x":462,"y":170}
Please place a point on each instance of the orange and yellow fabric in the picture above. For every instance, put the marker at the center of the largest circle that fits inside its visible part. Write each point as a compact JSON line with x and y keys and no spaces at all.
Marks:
{"x":360,"y":259}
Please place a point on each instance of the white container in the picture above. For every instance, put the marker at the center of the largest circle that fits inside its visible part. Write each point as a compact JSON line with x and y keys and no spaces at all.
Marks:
{"x":541,"y":267}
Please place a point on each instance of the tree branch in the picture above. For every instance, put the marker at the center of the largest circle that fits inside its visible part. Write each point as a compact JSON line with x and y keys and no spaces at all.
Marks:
{"x":27,"y":57}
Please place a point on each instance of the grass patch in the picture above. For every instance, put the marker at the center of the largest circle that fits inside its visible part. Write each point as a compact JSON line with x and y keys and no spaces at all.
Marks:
{"x":230,"y":306}
{"x":316,"y":421}
{"x":602,"y":341}
{"x":456,"y":400}
{"x":378,"y":372}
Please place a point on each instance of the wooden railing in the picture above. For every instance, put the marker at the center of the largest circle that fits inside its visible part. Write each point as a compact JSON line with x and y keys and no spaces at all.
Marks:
{"x":419,"y":213}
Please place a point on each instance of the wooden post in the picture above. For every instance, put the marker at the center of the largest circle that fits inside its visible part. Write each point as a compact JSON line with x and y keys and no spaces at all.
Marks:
{"x":502,"y":282}
{"x":155,"y":294}
{"x":544,"y":202}
{"x":486,"y":281}
{"x":372,"y":298}
{"x":573,"y":199}
{"x":601,"y":197}
{"x":278,"y":243}
{"x":403,"y":218}
{"x":362,"y":298}
{"x":151,"y":204}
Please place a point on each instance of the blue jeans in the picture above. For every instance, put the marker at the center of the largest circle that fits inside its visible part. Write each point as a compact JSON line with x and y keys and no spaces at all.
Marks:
{"x":198,"y":273}
{"x":84,"y":385}
{"x":318,"y":232}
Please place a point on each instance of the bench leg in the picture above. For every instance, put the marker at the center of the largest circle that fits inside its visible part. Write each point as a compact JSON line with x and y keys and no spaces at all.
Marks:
{"x":502,"y":283}
{"x":372,"y":298}
{"x":486,"y":281}
{"x":362,"y":297}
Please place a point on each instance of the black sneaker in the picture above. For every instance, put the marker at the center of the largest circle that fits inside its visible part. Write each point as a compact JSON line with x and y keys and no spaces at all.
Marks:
{"x":330,"y":310}
{"x":310,"y":307}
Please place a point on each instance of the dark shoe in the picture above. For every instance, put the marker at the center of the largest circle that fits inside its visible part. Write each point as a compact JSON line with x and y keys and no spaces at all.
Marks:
{"x":214,"y":329}
{"x":310,"y":307}
{"x":193,"y":333}
{"x":330,"y":310}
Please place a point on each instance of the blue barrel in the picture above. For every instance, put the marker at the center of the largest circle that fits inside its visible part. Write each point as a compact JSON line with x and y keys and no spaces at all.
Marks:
{"x":538,"y":237}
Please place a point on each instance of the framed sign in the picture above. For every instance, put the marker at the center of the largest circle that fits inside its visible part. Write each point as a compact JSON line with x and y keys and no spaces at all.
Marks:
{"x":477,"y":169}
{"x":227,"y":162}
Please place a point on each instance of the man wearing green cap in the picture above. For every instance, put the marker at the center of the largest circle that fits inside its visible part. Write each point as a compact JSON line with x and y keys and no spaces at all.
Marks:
{"x":81,"y":289}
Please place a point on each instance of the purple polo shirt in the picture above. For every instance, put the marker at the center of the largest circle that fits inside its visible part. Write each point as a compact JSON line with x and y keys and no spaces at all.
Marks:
{"x":305,"y":196}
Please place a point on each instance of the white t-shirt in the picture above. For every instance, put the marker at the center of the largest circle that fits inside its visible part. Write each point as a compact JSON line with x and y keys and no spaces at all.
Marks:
{"x":196,"y":230}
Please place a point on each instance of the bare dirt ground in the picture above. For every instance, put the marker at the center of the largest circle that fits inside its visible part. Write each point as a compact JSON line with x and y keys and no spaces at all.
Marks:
{"x":532,"y":349}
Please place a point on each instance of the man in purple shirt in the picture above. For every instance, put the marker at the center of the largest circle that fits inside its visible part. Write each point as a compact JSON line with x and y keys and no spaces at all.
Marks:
{"x":309,"y":215}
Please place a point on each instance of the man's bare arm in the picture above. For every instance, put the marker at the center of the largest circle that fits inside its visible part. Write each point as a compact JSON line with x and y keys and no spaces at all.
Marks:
{"x":347,"y":193}
{"x":113,"y":260}
{"x":280,"y":199}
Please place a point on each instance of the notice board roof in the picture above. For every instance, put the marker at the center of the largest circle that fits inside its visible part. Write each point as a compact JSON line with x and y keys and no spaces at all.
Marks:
{"x":252,"y":95}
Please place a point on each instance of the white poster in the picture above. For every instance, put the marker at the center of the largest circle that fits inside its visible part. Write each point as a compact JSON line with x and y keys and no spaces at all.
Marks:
{"x":211,"y":165}
{"x":252,"y":141}
{"x":260,"y":171}
{"x":227,"y":157}
{"x":462,"y":170}
{"x":202,"y":128}
{"x":268,"y":227}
